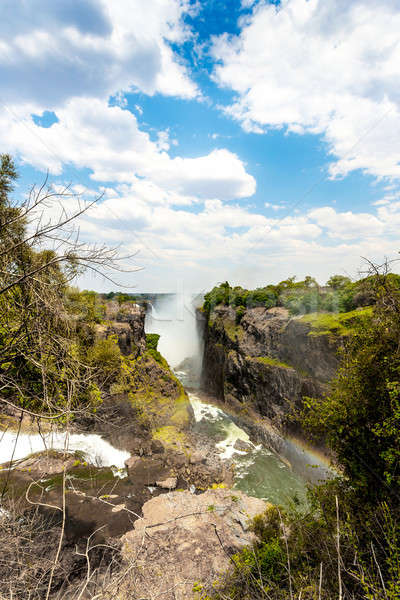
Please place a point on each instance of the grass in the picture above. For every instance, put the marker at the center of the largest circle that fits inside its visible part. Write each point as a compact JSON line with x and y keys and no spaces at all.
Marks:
{"x":272,"y":362}
{"x":341,"y":324}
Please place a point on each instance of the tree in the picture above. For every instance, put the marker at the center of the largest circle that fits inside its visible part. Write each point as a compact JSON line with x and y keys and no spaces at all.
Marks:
{"x":41,"y":370}
{"x":338,"y":282}
{"x":360,"y":418}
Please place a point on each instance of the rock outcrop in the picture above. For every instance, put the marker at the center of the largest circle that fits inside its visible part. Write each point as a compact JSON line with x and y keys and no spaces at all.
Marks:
{"x":267,"y":363}
{"x":126,"y":321}
{"x":184,"y":538}
{"x":178,"y":537}
{"x":179,"y":468}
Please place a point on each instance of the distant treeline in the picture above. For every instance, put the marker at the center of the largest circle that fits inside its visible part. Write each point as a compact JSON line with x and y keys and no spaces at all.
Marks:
{"x":340,"y":294}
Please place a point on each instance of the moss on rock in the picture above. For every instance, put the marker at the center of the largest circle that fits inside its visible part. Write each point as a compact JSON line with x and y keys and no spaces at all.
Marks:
{"x":336,"y":324}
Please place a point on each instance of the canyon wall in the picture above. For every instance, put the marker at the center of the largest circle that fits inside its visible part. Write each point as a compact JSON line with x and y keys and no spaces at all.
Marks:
{"x":267,"y":362}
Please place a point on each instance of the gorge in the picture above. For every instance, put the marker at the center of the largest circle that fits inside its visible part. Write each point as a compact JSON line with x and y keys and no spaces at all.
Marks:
{"x":200,"y":421}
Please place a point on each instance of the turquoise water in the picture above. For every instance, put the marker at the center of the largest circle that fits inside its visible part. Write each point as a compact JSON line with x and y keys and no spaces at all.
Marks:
{"x":263,"y":475}
{"x":258,"y":471}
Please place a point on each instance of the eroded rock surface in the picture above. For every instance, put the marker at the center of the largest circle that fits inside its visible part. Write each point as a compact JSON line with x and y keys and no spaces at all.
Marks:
{"x":185,"y":538}
{"x":268,"y":362}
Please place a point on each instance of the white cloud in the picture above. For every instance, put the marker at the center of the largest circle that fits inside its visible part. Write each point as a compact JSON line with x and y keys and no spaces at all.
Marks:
{"x":346,"y":225}
{"x":329,"y":67}
{"x":316,"y":67}
{"x":107,"y":139}
{"x":225,"y":241}
{"x":52,"y":51}
{"x":273,"y":206}
{"x":248,"y":3}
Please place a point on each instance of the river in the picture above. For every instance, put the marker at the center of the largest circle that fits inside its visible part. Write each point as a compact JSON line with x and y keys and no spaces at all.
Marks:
{"x":259,"y":471}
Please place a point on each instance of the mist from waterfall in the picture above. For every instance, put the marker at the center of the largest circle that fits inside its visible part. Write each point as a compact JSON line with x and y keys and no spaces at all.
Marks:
{"x":174,"y":318}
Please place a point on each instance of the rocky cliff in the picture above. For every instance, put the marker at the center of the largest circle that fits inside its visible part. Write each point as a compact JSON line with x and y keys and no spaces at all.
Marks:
{"x":126,"y":322}
{"x":267,"y":362}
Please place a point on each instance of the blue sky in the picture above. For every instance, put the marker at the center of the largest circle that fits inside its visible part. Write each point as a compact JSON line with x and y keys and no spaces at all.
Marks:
{"x":247,"y":141}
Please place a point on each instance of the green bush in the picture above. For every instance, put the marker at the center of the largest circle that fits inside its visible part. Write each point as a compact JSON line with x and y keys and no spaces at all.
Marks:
{"x":239,"y":314}
{"x":152,"y":340}
{"x":105,"y":357}
{"x":151,"y":348}
{"x":85,"y":305}
{"x":353,"y":524}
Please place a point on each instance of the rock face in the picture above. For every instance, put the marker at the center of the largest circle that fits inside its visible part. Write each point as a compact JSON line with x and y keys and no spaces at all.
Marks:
{"x":183,"y":539}
{"x":126,"y":321}
{"x":268,"y":362}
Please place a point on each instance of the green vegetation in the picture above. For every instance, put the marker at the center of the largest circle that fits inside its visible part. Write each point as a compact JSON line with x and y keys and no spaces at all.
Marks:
{"x":56,"y":351}
{"x":339,"y":294}
{"x":86,"y":306}
{"x":273,"y":362}
{"x":151,"y":345}
{"x":120,"y":297}
{"x":154,"y":392}
{"x":170,"y":436}
{"x":336,"y":323}
{"x":105,"y":356}
{"x":40,"y":348}
{"x":232,"y":330}
{"x":152,"y":340}
{"x":360,"y":419}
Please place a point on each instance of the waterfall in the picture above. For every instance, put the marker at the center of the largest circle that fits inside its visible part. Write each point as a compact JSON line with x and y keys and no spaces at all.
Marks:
{"x":174,"y":318}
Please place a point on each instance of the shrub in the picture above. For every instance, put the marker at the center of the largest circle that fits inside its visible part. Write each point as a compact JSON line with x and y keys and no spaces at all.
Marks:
{"x":105,"y":357}
{"x":151,"y":346}
{"x":152,"y":341}
{"x":239,"y":314}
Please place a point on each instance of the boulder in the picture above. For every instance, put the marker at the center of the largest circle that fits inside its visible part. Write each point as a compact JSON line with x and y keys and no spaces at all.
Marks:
{"x":131,"y":462}
{"x":168,"y":484}
{"x":46,"y":463}
{"x":197,"y":458}
{"x":242,"y":446}
{"x":157,"y":447}
{"x":183,"y":538}
{"x":146,"y":470}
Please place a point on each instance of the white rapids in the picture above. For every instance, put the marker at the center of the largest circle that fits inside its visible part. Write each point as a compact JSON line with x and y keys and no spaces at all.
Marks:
{"x":98,"y":451}
{"x":232,"y":432}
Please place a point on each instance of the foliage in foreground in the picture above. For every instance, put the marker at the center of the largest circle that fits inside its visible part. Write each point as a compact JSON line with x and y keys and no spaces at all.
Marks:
{"x":300,"y":555}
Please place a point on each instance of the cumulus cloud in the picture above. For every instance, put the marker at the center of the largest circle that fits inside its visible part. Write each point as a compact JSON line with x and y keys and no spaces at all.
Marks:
{"x":108,"y":140}
{"x":320,"y":66}
{"x":77,"y":61}
{"x":222,"y":241}
{"x":91,"y":48}
{"x":312,"y":66}
{"x":347,"y":225}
